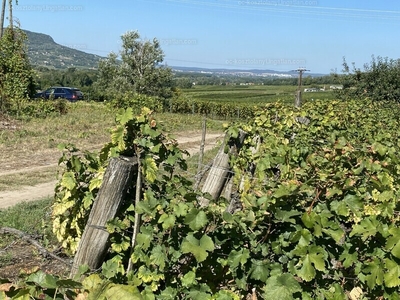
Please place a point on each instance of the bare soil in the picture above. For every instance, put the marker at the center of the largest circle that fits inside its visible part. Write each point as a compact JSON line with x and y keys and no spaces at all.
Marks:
{"x":24,"y":258}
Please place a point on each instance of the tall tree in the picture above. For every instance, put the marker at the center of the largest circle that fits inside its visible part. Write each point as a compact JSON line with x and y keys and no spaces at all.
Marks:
{"x":16,"y":74}
{"x":139,"y":68}
{"x":379,"y":81}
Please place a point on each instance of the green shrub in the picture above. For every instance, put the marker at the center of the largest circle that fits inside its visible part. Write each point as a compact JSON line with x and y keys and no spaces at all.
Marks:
{"x":379,"y":81}
{"x":40,"y":108}
{"x":136,"y":102}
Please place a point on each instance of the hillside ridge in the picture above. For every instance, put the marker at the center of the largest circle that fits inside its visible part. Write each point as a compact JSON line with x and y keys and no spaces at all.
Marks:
{"x":43,"y":51}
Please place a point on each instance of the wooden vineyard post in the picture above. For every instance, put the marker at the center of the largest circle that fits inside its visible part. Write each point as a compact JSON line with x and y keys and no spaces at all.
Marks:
{"x":217,"y":176}
{"x":220,"y":171}
{"x":94,"y":242}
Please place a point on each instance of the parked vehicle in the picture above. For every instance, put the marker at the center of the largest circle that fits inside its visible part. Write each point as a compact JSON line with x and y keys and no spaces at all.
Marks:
{"x":69,"y":93}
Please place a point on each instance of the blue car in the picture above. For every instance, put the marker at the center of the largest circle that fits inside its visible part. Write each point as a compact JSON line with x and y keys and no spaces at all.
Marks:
{"x":60,"y":92}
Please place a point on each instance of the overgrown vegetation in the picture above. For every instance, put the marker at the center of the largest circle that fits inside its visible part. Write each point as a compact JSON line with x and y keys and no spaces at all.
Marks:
{"x":16,"y":75}
{"x":32,"y":218}
{"x":379,"y":80}
{"x":318,"y":215}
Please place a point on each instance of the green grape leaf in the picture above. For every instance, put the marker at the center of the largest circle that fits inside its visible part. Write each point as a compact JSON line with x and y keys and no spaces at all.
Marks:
{"x":366,"y":228}
{"x":68,"y":181}
{"x":150,"y":169}
{"x":181,"y":209}
{"x":281,"y":287}
{"x":121,"y":292}
{"x":348,"y":259}
{"x":196,"y":219}
{"x":167,"y":221}
{"x":124,"y":115}
{"x":307,"y":271}
{"x":393,"y":242}
{"x":373,"y":273}
{"x":259,"y":270}
{"x":392,"y":275}
{"x":237,"y":258}
{"x":197,"y":247}
{"x":158,"y":257}
{"x":43,"y":280}
{"x":117,"y":138}
{"x":286,"y":216}
{"x":189,"y":279}
{"x":95,"y":183}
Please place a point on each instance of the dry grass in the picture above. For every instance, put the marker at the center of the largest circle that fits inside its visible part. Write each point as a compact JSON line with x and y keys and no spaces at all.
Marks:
{"x":28,"y":149}
{"x":35,"y":142}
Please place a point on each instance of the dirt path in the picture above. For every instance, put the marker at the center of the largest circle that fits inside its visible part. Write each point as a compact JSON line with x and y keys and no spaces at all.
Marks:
{"x":40,"y":191}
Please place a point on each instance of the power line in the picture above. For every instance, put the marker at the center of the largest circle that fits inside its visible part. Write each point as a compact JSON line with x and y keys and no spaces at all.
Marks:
{"x":278,"y":6}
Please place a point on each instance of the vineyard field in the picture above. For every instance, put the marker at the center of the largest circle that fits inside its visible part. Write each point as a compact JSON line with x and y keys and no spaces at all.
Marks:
{"x":251,"y":94}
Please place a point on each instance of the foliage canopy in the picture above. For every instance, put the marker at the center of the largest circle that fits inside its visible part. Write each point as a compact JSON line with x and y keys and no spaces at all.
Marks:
{"x":16,"y":74}
{"x":319,"y":210}
{"x":136,"y":69}
{"x":379,"y":81}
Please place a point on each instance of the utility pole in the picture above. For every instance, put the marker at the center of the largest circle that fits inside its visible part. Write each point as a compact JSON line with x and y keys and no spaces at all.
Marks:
{"x":11,"y":15}
{"x":297,"y":101}
{"x":3,"y":10}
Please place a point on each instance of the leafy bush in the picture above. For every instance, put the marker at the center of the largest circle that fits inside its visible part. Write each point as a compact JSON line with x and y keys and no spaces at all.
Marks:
{"x":40,"y":108}
{"x":380,"y":80}
{"x":136,"y":102}
{"x":16,"y":75}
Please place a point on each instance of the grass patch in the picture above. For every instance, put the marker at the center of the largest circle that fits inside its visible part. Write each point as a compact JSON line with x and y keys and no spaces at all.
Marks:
{"x":30,"y":217}
{"x":193,"y":163}
{"x":86,"y":125}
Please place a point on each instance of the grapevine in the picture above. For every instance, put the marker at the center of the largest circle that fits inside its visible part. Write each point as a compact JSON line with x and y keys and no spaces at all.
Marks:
{"x":319,"y":215}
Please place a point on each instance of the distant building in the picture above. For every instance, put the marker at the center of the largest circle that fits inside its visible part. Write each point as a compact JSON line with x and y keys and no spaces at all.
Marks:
{"x":311,"y":90}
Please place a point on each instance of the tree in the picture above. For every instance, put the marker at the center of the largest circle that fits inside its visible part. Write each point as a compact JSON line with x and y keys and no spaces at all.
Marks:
{"x":379,"y":81}
{"x":16,"y":74}
{"x":184,"y":83}
{"x":139,"y":69}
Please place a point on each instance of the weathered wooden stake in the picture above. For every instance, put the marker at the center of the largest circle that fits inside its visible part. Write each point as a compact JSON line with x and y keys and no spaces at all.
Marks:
{"x":217,"y":176}
{"x":94,"y":242}
{"x":219,"y":172}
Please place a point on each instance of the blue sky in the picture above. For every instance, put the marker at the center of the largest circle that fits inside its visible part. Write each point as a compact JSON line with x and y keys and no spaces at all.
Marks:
{"x":244,"y":34}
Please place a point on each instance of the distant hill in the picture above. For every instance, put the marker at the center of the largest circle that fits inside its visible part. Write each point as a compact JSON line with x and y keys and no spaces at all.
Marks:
{"x":43,"y":51}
